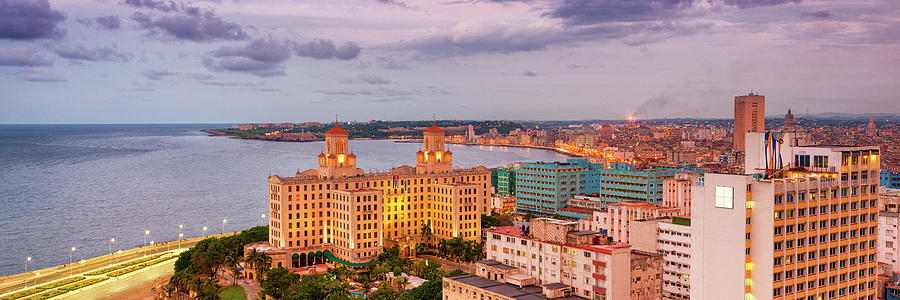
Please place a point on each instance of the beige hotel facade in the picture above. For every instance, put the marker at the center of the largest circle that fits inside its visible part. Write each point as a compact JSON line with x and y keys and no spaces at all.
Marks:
{"x":347,"y":215}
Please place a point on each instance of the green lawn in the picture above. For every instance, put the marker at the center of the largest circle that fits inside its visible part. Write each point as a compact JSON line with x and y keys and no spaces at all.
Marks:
{"x":232,"y":292}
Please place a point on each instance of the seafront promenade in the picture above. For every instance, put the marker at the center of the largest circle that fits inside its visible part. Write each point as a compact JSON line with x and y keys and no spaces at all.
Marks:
{"x":40,"y":284}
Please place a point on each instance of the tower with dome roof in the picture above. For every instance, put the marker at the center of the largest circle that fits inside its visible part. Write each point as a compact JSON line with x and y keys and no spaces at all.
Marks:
{"x":337,"y":161}
{"x":433,"y":158}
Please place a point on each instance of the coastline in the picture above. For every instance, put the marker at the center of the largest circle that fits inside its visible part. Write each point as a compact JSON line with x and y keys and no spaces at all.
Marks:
{"x":213,"y":132}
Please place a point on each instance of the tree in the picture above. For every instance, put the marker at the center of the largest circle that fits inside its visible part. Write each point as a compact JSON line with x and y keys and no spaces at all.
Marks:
{"x":426,"y":231}
{"x":231,"y":262}
{"x":259,"y":261}
{"x":385,"y":292}
{"x":431,"y":290}
{"x":278,"y":281}
{"x":379,"y":271}
{"x":318,"y":286}
{"x":401,"y":282}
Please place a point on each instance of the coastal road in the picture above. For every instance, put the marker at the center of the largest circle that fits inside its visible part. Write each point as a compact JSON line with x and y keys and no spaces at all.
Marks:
{"x":17,"y":282}
{"x":137,"y":285}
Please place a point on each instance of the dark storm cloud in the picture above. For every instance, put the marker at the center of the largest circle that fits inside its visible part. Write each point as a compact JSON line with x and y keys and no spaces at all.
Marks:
{"x":198,"y":26}
{"x":367,"y":79}
{"x":261,"y":57}
{"x":164,"y":6}
{"x":92,"y":54}
{"x":157,"y":74}
{"x":36,"y":75}
{"x":22,"y":57}
{"x":29,"y":19}
{"x":822,"y":14}
{"x":326,"y":49}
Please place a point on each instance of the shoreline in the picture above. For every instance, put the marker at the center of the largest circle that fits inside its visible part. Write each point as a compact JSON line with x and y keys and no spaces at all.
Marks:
{"x":213,"y":132}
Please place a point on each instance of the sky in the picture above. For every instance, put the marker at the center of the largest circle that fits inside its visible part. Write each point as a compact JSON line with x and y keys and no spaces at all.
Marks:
{"x":233,"y":61}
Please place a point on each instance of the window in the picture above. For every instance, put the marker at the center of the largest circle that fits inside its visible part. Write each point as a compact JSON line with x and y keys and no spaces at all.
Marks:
{"x":725,"y":197}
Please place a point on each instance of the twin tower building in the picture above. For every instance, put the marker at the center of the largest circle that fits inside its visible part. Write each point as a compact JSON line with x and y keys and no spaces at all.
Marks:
{"x":341,"y":213}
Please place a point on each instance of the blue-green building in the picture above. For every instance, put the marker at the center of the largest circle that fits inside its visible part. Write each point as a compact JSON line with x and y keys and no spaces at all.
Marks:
{"x":543,"y":188}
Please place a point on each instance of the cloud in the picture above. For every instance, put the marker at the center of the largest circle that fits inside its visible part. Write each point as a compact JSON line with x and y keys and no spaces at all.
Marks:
{"x":157,"y":74}
{"x":367,"y":79}
{"x":22,"y":57}
{"x":261,"y":57}
{"x":164,"y":6}
{"x":29,"y":20}
{"x":396,"y":3}
{"x":582,"y":12}
{"x":95,"y":54}
{"x":326,"y":49}
{"x":758,"y":3}
{"x":472,"y":37}
{"x":233,"y":83}
{"x":196,"y":25}
{"x":384,"y":62}
{"x":202,"y":76}
{"x":36,"y":75}
{"x":103,"y":22}
{"x":528,"y":73}
{"x":822,"y":14}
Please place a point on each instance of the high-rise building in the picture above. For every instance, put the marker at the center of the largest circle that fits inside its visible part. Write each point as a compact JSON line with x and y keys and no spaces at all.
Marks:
{"x":606,"y":131}
{"x":470,"y":134}
{"x":789,"y":121}
{"x":749,"y":116}
{"x":346,"y":215}
{"x":888,"y":223}
{"x":801,"y":225}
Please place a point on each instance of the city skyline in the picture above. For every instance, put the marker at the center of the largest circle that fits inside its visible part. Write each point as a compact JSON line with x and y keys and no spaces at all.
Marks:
{"x":225,"y":61}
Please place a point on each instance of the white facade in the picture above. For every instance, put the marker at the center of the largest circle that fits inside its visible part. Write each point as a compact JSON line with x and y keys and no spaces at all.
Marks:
{"x":623,"y":213}
{"x":677,"y":192}
{"x":888,"y":247}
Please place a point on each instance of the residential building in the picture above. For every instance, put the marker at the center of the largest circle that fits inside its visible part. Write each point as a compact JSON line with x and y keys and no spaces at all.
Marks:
{"x":554,"y":251}
{"x":888,"y":236}
{"x":677,"y":191}
{"x":805,"y":231}
{"x":749,"y":116}
{"x":623,"y":213}
{"x":670,"y":237}
{"x":503,"y":204}
{"x":504,"y":180}
{"x":348,"y":215}
{"x":890,"y":179}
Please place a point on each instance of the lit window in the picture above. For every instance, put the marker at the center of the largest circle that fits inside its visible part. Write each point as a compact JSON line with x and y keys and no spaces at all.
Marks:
{"x":724,"y":197}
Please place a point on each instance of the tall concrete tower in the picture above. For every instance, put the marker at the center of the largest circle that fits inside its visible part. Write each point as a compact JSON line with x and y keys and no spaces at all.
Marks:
{"x":749,"y":116}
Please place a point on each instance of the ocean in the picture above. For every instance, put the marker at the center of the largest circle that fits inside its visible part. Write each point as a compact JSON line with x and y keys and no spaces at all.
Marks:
{"x":64,"y":186}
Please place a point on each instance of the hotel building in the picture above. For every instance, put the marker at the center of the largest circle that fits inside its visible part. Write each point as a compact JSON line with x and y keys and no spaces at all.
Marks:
{"x":347,"y":215}
{"x":802,"y":225}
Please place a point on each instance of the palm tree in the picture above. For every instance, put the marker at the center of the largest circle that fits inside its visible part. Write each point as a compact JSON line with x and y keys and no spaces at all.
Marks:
{"x":231,"y":262}
{"x":260,"y":262}
{"x":379,"y":271}
{"x":426,"y":231}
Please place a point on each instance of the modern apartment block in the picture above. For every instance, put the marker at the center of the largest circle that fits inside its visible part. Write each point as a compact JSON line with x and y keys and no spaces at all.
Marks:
{"x":349,"y":215}
{"x":749,"y":116}
{"x":802,"y":225}
{"x":543,"y":188}
{"x":504,"y":180}
{"x":670,"y":237}
{"x":554,"y":251}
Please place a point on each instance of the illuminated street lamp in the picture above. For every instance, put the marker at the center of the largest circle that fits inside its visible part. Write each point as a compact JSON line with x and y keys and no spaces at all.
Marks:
{"x":204,"y":231}
{"x":146,"y":233}
{"x":223,"y":225}
{"x":28,"y":259}
{"x":111,"y":241}
{"x":262,"y":218}
{"x":70,"y":254}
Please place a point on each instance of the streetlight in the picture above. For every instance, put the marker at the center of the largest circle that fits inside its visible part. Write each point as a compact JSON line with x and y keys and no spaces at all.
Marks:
{"x":146,"y":233}
{"x":180,"y":235}
{"x":28,"y":259}
{"x":70,"y":254}
{"x":223,"y":225}
{"x":262,"y":218}
{"x":151,"y":245}
{"x":112,"y":240}
{"x":204,"y":231}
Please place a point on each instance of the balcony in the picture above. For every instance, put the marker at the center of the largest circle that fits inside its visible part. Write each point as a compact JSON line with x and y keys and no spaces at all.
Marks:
{"x":598,"y":289}
{"x":598,"y":276}
{"x":599,"y":263}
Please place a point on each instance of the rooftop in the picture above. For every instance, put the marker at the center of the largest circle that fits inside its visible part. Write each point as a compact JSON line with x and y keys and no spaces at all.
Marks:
{"x":506,"y":230}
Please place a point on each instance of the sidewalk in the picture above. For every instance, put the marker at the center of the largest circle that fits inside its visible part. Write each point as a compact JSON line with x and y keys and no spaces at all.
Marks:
{"x":251,"y":288}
